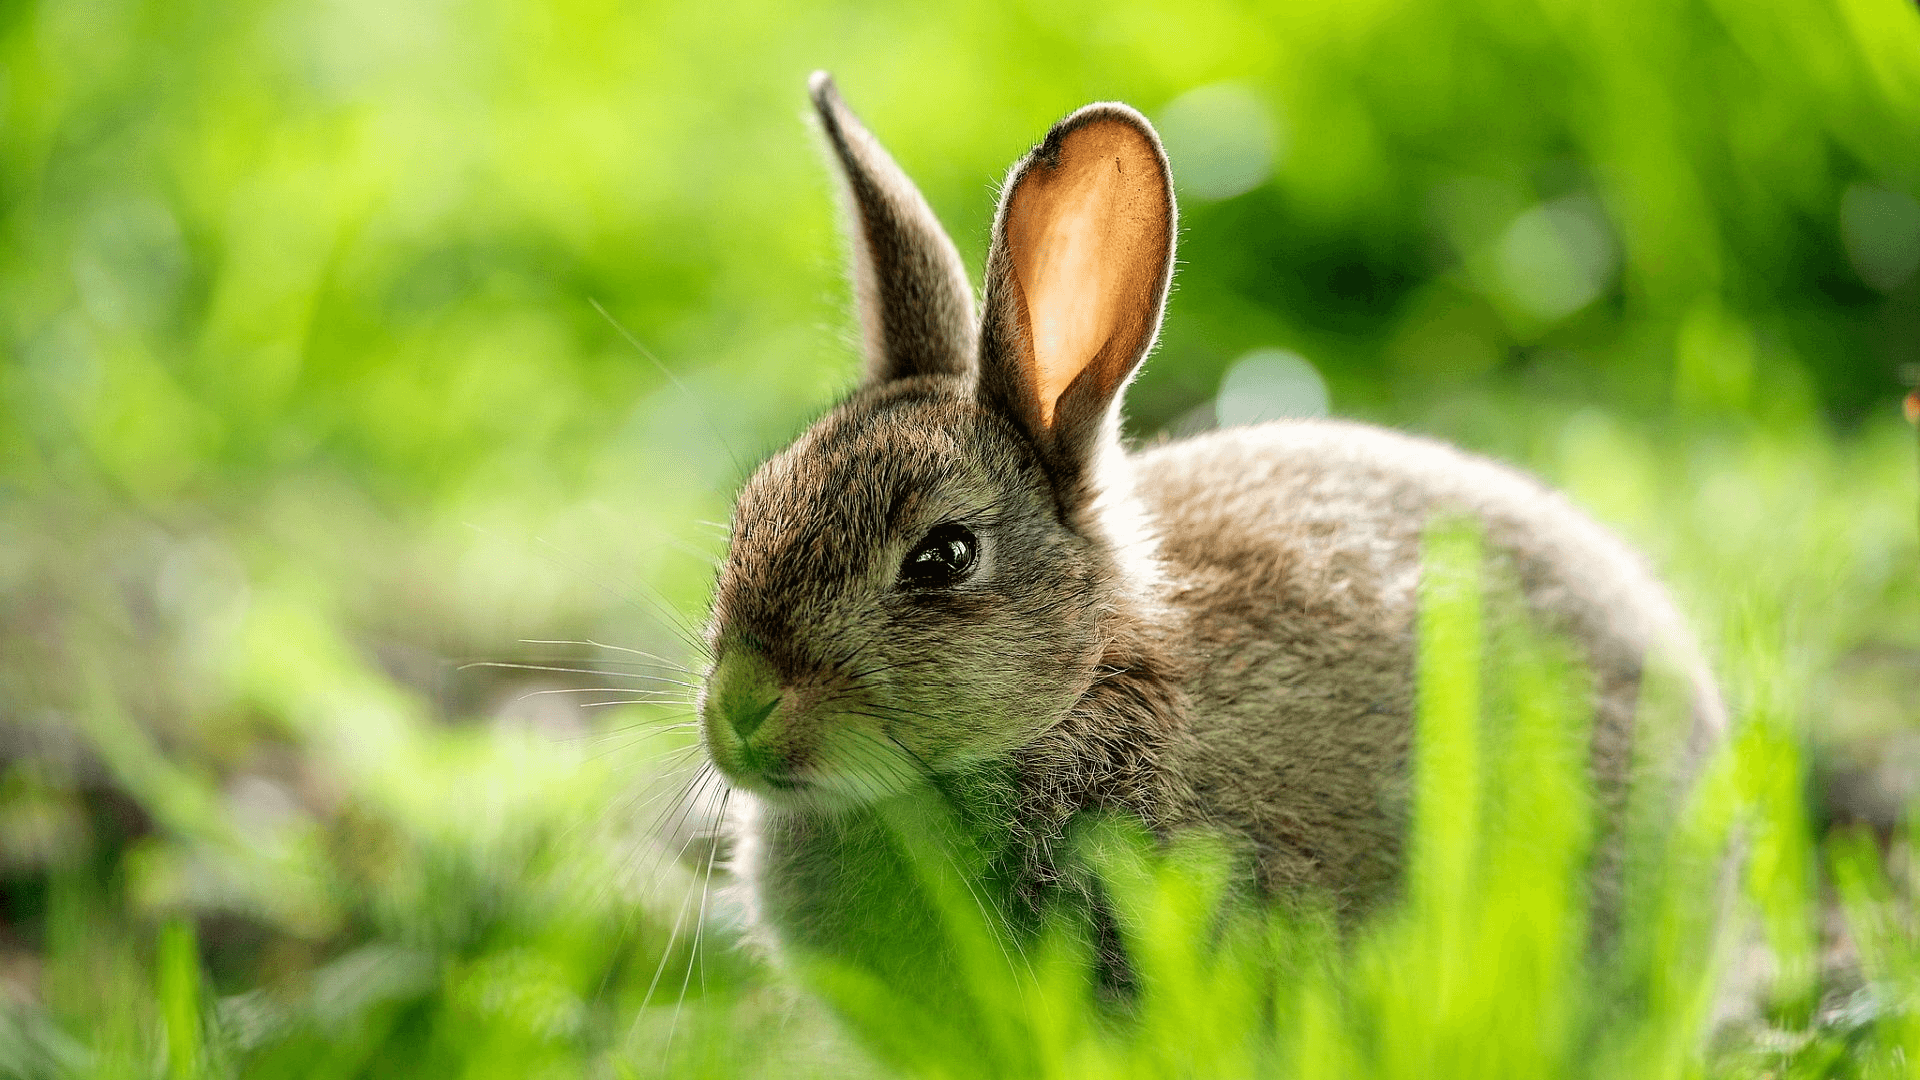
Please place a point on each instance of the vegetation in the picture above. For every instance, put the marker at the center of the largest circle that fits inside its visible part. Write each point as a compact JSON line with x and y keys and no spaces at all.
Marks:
{"x":355,"y":353}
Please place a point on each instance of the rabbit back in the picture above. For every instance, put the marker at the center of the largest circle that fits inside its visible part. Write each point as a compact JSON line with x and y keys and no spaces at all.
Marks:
{"x":1291,"y":552}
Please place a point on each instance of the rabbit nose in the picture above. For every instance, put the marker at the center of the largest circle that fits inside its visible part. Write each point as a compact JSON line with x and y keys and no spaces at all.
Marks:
{"x":742,"y":693}
{"x":747,"y":721}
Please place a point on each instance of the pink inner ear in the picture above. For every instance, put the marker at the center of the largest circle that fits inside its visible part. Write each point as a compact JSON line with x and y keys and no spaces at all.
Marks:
{"x":1088,"y":237}
{"x":1071,"y":311}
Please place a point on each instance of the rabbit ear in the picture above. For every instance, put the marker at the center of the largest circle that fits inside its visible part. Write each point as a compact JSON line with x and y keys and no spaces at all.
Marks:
{"x":1082,"y":254}
{"x":916,"y":307}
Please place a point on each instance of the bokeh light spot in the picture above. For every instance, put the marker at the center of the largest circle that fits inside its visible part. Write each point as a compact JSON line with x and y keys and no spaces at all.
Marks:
{"x":1556,"y":258}
{"x":1221,"y":139}
{"x":1270,"y":384}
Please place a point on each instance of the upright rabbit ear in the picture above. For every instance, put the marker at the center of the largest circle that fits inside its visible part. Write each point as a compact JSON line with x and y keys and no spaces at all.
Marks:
{"x":916,"y":307}
{"x":1082,"y":254}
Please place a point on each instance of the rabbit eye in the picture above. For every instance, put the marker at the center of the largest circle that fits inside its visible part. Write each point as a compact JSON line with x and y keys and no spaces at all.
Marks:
{"x":943,"y":557}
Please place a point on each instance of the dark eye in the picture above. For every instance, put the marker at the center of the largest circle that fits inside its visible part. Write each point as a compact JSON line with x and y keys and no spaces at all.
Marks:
{"x":941,"y":558}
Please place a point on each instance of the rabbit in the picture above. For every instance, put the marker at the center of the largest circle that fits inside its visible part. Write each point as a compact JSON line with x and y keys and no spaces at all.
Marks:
{"x":958,"y":590}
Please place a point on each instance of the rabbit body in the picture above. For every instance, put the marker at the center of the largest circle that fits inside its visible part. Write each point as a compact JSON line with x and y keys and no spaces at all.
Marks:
{"x":956,"y":610}
{"x":1265,"y":692}
{"x":1293,"y":555}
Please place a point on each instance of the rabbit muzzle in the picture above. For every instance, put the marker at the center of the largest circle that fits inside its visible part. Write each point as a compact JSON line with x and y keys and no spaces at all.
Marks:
{"x":800,"y":747}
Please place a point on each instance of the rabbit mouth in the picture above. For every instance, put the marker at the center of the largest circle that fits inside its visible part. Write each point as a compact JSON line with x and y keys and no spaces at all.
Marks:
{"x":841,"y":771}
{"x":792,"y":793}
{"x":762,"y":771}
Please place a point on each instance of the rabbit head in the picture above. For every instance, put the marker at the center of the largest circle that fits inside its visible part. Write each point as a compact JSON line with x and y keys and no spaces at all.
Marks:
{"x":917,"y":585}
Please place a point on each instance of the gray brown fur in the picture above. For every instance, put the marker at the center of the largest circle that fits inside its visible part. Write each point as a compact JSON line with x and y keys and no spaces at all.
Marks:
{"x":1216,"y":632}
{"x":916,"y":305}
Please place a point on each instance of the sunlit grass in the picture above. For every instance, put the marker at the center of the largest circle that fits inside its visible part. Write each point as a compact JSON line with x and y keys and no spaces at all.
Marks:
{"x":511,"y":912}
{"x":324,"y":374}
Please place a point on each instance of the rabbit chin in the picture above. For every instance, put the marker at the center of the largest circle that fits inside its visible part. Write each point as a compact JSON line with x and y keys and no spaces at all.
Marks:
{"x":847,"y":769}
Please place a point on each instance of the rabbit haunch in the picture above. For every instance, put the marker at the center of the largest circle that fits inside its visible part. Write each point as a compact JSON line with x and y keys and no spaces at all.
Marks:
{"x":1216,"y":632}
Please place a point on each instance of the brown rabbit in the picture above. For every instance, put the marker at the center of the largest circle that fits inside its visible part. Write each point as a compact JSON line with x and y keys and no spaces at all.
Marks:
{"x":958,"y":589}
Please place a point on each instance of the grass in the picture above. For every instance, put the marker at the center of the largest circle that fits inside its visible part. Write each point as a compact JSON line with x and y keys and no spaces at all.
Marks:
{"x":316,"y":387}
{"x":506,"y":914}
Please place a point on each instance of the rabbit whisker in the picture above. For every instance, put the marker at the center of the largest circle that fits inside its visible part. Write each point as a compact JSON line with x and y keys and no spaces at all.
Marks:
{"x":699,"y":930}
{"x":613,"y":648}
{"x":510,"y":665}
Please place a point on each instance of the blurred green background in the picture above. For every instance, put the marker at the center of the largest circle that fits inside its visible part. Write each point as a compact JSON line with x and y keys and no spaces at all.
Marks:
{"x":344,"y":344}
